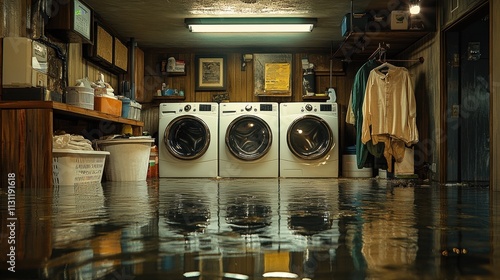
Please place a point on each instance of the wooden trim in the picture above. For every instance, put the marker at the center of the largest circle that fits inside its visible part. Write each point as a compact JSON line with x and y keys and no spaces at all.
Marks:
{"x":494,"y":96}
{"x":443,"y":150}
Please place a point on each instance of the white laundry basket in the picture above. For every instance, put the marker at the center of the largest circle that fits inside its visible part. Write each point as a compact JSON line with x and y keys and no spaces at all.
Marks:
{"x":70,"y":167}
{"x":128,"y":159}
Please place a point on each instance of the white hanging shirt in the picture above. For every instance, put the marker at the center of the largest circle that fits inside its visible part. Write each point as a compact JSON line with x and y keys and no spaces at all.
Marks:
{"x":389,"y":106}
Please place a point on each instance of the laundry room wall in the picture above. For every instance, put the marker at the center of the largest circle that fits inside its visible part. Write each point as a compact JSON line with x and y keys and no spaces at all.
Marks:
{"x":240,"y":82}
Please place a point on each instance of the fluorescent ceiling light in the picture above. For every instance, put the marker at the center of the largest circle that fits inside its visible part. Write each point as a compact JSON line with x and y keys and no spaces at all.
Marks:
{"x":238,"y":25}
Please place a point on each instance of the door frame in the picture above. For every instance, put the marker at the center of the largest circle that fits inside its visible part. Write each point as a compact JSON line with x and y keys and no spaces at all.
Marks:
{"x":470,"y":16}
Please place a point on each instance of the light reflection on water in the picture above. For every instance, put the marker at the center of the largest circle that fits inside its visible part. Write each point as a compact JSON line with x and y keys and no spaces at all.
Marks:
{"x":253,"y":229}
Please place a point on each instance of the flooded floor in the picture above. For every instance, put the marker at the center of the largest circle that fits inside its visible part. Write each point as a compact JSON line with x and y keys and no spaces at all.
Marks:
{"x":250,"y":229}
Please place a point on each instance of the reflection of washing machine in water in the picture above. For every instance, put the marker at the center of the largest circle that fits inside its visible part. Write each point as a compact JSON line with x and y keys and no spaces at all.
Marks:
{"x":248,"y":141}
{"x":188,"y":139}
{"x":249,"y":206}
{"x":309,"y":140}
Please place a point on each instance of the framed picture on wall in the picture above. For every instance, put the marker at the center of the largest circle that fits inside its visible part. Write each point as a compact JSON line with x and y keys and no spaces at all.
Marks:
{"x":210,"y":72}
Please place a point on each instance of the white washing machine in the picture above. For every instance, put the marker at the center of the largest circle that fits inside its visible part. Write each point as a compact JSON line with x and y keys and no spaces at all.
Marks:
{"x":309,"y":139}
{"x":248,"y":139}
{"x":187,"y":139}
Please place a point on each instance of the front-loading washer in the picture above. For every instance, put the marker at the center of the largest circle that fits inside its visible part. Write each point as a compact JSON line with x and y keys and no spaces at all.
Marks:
{"x":187,"y":139}
{"x":248,"y":139}
{"x":309,"y":140}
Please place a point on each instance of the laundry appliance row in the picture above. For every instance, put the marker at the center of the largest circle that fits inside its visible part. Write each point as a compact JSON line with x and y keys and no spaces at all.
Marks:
{"x":248,"y":139}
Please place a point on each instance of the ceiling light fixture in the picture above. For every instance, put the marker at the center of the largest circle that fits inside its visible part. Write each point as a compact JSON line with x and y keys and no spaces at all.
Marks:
{"x":238,"y":25}
{"x":414,"y":7}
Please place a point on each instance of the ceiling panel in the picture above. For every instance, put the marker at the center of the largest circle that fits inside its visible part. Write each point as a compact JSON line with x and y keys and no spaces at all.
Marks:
{"x":160,"y":24}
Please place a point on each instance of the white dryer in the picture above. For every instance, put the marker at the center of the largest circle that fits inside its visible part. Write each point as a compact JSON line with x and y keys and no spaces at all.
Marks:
{"x":309,"y":140}
{"x":187,"y":139}
{"x":248,"y":139}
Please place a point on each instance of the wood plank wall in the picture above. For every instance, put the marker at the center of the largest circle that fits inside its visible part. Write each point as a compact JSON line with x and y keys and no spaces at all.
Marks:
{"x":79,"y":68}
{"x":426,"y":79}
{"x":240,"y":84}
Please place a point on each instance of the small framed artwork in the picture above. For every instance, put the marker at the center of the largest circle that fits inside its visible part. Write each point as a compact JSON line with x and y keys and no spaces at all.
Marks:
{"x":210,"y":72}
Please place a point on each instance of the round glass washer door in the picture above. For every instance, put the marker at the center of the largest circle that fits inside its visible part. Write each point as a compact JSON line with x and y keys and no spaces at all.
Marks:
{"x":248,"y":138}
{"x":309,"y":137}
{"x":187,"y":137}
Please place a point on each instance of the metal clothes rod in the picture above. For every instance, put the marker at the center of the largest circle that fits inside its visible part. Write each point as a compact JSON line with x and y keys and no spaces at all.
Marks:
{"x":420,"y":59}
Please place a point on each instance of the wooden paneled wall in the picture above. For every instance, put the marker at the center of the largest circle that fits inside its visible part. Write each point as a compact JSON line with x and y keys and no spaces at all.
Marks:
{"x":79,"y":68}
{"x":426,"y":82}
{"x":240,"y":84}
{"x":239,"y":81}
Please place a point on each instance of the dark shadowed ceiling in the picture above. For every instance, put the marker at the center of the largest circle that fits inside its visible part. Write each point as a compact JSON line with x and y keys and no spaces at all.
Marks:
{"x":160,"y":23}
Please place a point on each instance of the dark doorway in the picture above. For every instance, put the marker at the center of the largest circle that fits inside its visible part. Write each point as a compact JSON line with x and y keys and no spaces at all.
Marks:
{"x":468,"y":102}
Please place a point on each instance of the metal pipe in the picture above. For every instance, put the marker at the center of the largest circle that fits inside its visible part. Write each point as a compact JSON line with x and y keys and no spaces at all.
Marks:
{"x":132,"y":68}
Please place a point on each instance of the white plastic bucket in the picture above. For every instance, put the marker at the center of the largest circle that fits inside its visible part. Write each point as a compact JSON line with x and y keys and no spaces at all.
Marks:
{"x":128,"y":159}
{"x":350,"y":168}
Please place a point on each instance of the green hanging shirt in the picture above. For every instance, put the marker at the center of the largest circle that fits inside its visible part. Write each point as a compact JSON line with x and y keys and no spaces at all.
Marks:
{"x":358,"y":96}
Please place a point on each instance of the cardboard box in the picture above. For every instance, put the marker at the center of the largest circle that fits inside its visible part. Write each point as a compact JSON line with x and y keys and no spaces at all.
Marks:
{"x":399,"y":20}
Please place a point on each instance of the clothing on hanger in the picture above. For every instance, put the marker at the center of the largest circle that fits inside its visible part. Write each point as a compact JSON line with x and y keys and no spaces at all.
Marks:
{"x":357,"y":98}
{"x":384,"y":67}
{"x":389,"y":108}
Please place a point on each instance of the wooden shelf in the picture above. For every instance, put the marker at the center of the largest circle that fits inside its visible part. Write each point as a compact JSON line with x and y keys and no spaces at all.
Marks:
{"x":315,"y":98}
{"x":27,"y":128}
{"x":360,"y":45}
{"x":168,"y":98}
{"x":327,"y":73}
{"x":65,"y":109}
{"x":175,"y":73}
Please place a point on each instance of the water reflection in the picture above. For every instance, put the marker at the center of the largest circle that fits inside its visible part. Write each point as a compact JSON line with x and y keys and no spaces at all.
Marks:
{"x":253,"y":229}
{"x":188,"y":213}
{"x":247,"y":204}
{"x":75,"y":209}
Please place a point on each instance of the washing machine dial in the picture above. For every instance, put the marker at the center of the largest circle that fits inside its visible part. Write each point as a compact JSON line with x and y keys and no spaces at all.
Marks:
{"x":309,"y":107}
{"x":187,"y":108}
{"x":248,"y":108}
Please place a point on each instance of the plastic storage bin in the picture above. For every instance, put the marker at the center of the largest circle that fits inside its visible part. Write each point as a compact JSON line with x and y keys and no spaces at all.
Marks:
{"x":135,"y":110}
{"x":71,"y":167}
{"x":125,"y":106}
{"x":130,"y":109}
{"x":350,"y":168}
{"x":108,"y":105}
{"x":128,"y":159}
{"x":81,"y":97}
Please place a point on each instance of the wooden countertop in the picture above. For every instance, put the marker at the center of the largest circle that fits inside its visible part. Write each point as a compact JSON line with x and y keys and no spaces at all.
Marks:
{"x":65,"y":109}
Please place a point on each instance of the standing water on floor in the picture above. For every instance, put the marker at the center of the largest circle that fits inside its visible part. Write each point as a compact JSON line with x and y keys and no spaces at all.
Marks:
{"x":250,"y":229}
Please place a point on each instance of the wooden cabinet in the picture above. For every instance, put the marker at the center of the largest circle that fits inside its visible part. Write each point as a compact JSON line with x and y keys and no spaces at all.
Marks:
{"x":107,"y":51}
{"x":454,"y":9}
{"x":103,"y":45}
{"x":120,"y":55}
{"x":27,"y":128}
